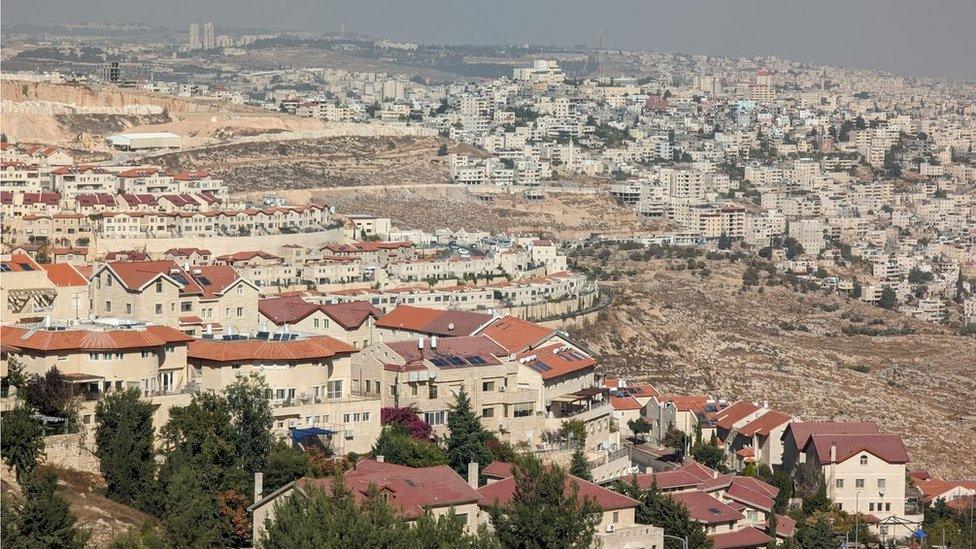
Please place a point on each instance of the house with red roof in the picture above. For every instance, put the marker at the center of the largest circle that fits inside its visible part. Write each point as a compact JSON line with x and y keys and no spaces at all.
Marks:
{"x":410,"y":321}
{"x":686,"y":413}
{"x":412,"y":492}
{"x":193,"y":256}
{"x":350,"y":321}
{"x":617,"y":526}
{"x":310,"y":377}
{"x":104,"y":356}
{"x":759,"y":441}
{"x":797,"y":434}
{"x":864,"y":473}
{"x":31,"y":291}
{"x":517,"y":395}
{"x":200,"y":299}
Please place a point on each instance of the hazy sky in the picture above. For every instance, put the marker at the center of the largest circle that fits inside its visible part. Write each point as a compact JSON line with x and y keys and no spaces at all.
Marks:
{"x":915,"y":37}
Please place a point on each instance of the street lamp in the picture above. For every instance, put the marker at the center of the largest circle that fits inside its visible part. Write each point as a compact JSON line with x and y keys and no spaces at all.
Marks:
{"x":684,"y":541}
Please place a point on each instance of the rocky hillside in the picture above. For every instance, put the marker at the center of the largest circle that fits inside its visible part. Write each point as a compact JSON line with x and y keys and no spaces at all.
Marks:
{"x":696,"y":330}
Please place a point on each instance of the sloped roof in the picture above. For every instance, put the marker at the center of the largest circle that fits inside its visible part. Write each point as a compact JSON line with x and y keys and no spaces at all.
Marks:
{"x":625,"y":403}
{"x":440,"y":322}
{"x":752,"y":492}
{"x":84,"y":339}
{"x":744,"y":537}
{"x":765,"y":423}
{"x":516,"y":334}
{"x":463,"y":347}
{"x":502,"y":492}
{"x":802,"y":430}
{"x":728,"y":417}
{"x":314,"y":347}
{"x":556,"y":360}
{"x":64,"y":275}
{"x":705,"y":508}
{"x":351,"y":314}
{"x":410,"y":490}
{"x":890,"y":448}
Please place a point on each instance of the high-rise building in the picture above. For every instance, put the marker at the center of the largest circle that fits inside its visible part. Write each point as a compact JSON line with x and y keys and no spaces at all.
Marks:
{"x":194,"y":42}
{"x":208,"y":36}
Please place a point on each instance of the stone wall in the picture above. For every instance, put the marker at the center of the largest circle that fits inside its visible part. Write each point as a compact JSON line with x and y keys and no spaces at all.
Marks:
{"x":74,"y":451}
{"x":218,"y":245}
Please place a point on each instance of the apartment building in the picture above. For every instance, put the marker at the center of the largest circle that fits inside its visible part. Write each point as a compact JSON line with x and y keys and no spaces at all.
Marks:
{"x":202,"y":299}
{"x":31,"y":292}
{"x":309,"y":378}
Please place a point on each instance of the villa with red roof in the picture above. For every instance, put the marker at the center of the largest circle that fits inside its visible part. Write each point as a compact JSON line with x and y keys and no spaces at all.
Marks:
{"x":350,"y":321}
{"x":31,"y":291}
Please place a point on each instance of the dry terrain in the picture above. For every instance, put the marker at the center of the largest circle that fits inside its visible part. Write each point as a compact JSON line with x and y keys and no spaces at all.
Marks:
{"x":689,"y":332}
{"x":559,"y":213}
{"x":313,"y":163}
{"x":104,"y":518}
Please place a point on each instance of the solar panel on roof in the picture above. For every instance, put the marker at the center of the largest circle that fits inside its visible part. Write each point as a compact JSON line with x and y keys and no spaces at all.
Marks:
{"x":475,"y":360}
{"x":456,"y":361}
{"x":4,"y":268}
{"x":439,"y":362}
{"x":540,"y":366}
{"x":179,"y":278}
{"x":203,"y":280}
{"x":26,"y":266}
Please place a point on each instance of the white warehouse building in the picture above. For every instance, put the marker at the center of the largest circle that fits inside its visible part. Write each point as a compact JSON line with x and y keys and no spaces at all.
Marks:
{"x":133,"y":141}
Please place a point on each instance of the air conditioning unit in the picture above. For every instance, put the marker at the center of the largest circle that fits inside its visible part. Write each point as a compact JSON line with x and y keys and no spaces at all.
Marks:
{"x":292,"y":422}
{"x":502,"y":388}
{"x":611,"y":527}
{"x":350,"y":434}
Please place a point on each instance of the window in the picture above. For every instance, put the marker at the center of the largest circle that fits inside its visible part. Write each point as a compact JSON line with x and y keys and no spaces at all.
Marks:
{"x":839,"y":483}
{"x":522,"y":410}
{"x":146,"y":354}
{"x":128,"y":308}
{"x":108,"y":306}
{"x":488,"y":386}
{"x":414,"y":389}
{"x":365,"y":416}
{"x":871,"y":507}
{"x":346,"y":418}
{"x":887,"y":507}
{"x":435,"y":418}
{"x":240,"y":290}
{"x":108,"y":280}
{"x":240,"y":312}
{"x":432,"y":391}
{"x":159,"y":286}
{"x":315,"y":322}
{"x":864,"y":460}
{"x":186,"y":306}
{"x":881,"y":484}
{"x":616,"y":517}
{"x":488,"y":412}
{"x":159,"y":308}
{"x":334,"y":389}
{"x":859,"y":483}
{"x":166,"y":381}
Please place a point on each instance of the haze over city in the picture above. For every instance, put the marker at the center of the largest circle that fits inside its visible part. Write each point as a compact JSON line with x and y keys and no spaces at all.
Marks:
{"x":488,"y":275}
{"x":912,"y":37}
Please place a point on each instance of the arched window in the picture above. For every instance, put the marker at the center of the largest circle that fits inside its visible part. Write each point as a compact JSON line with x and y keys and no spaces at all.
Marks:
{"x":864,"y":460}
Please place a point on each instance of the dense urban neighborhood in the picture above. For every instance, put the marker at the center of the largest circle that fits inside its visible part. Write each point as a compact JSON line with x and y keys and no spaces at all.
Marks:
{"x":372,"y":296}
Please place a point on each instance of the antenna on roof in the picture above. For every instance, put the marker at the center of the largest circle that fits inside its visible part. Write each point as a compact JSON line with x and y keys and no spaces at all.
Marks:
{"x":420,"y":342}
{"x":433,"y":342}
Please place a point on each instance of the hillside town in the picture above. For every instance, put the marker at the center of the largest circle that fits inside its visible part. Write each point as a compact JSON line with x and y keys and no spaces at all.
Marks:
{"x":243,"y":361}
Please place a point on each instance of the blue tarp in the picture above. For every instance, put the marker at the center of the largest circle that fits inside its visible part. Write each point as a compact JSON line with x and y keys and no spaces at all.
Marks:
{"x":299,"y":435}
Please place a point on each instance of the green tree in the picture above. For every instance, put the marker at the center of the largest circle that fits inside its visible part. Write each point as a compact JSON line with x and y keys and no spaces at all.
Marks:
{"x":749,"y":470}
{"x":579,"y":467}
{"x":818,"y":536}
{"x":574,"y":430}
{"x":397,"y":446}
{"x":22,"y":443}
{"x":51,"y":395}
{"x":124,"y":441}
{"x":146,"y":536}
{"x":708,"y":455}
{"x":250,"y":410}
{"x":317,"y":518}
{"x":889,"y":299}
{"x":41,"y":519}
{"x":662,"y":510}
{"x":192,"y":518}
{"x":640,"y":427}
{"x":467,"y":441}
{"x":285,"y":464}
{"x":545,"y":510}
{"x":750,"y":277}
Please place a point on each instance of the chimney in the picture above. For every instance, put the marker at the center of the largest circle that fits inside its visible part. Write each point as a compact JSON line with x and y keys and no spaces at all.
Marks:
{"x":381,"y":458}
{"x":833,"y":451}
{"x":473,"y":474}
{"x":258,"y":486}
{"x":433,"y":342}
{"x":420,"y":342}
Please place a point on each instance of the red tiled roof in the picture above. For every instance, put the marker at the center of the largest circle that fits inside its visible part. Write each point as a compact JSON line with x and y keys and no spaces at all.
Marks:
{"x":64,"y":274}
{"x":686,"y":403}
{"x":625,"y":403}
{"x":556,"y":360}
{"x":745,"y":537}
{"x":286,"y":310}
{"x":752,"y":492}
{"x":461,"y":347}
{"x":516,"y":334}
{"x":689,"y":475}
{"x":706,"y":509}
{"x":314,"y":347}
{"x":351,"y":314}
{"x":433,"y":321}
{"x":247,"y":256}
{"x":502,"y":492}
{"x":765,"y":423}
{"x":932,"y":488}
{"x":889,"y":448}
{"x":82,"y":339}
{"x":728,"y":417}
{"x":136,"y":274}
{"x":409,"y":490}
{"x":215,"y":279}
{"x":785,"y":526}
{"x":21,"y":263}
{"x":498,"y":469}
{"x":802,"y":430}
